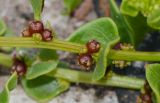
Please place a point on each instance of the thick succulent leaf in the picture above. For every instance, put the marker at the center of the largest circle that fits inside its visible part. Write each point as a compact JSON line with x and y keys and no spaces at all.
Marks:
{"x":44,"y":88}
{"x":47,"y":54}
{"x":131,"y":29}
{"x":62,"y":64}
{"x":41,"y":68}
{"x":2,"y":27}
{"x":37,"y":8}
{"x":48,"y":61}
{"x":154,"y":19}
{"x":101,"y":64}
{"x":10,"y":85}
{"x":152,"y":74}
{"x":71,"y":5}
{"x":139,"y":27}
{"x":103,"y":30}
{"x":127,"y":9}
{"x":132,"y":7}
{"x":149,"y":9}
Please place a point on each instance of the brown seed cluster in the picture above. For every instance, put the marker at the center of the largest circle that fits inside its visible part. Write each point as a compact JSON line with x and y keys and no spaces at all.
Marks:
{"x":121,"y":63}
{"x":19,"y":67}
{"x":37,"y":27}
{"x":93,"y":46}
{"x":145,"y":96}
{"x":86,"y":59}
{"x":123,"y":46}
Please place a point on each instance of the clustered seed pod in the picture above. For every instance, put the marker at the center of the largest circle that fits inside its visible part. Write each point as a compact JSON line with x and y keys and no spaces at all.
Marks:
{"x":86,"y":59}
{"x":19,"y":67}
{"x":121,"y":63}
{"x":123,"y":46}
{"x":117,"y":46}
{"x":37,"y":27}
{"x":25,"y":33}
{"x":93,"y":46}
{"x":47,"y":35}
{"x":145,"y":96}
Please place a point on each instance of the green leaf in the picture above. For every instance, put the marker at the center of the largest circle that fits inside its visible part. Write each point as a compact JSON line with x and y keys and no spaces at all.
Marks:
{"x":71,"y":5}
{"x":37,"y":6}
{"x":154,"y":19}
{"x":152,"y":74}
{"x":132,"y":7}
{"x":103,"y":30}
{"x":2,"y":27}
{"x":41,"y":68}
{"x":149,"y":9}
{"x":44,"y":88}
{"x":10,"y":85}
{"x":128,"y":9}
{"x":101,"y":64}
{"x":131,"y":29}
{"x":48,"y":62}
{"x":47,"y":54}
{"x":62,"y":64}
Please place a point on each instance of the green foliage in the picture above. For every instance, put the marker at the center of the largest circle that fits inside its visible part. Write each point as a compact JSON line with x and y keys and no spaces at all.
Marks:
{"x":63,"y":65}
{"x":37,"y":8}
{"x":10,"y":85}
{"x":103,"y":30}
{"x":44,"y":88}
{"x":47,"y":54}
{"x":101,"y":64}
{"x":154,"y":19}
{"x":2,"y":27}
{"x":49,"y":61}
{"x":41,"y":68}
{"x":131,"y":29}
{"x":149,"y":8}
{"x":5,"y":31}
{"x":71,"y":5}
{"x":152,"y":74}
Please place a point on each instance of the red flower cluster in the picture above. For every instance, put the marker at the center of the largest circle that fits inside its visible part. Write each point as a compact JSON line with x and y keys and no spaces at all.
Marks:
{"x":19,"y":67}
{"x":37,"y":27}
{"x":86,"y":59}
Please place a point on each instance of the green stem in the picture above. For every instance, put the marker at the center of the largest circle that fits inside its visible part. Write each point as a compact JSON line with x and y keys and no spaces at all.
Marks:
{"x":134,"y":55}
{"x":86,"y":77}
{"x":5,"y":60}
{"x":30,"y":43}
{"x":77,"y":48}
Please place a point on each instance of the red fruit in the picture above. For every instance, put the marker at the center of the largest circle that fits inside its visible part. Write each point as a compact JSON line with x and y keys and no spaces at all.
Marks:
{"x":93,"y":46}
{"x":146,"y":98}
{"x":85,"y":60}
{"x":19,"y":67}
{"x":36,"y":27}
{"x":26,"y":33}
{"x":147,"y":88}
{"x":47,"y":35}
{"x":117,"y":46}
